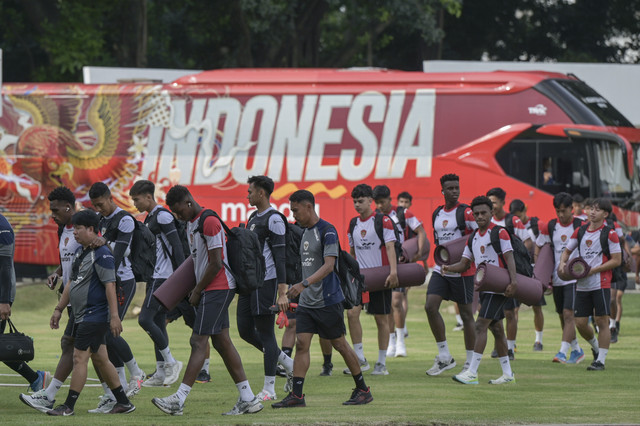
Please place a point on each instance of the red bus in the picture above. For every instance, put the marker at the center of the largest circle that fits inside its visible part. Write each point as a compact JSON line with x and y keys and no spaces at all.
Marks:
{"x":324,"y":130}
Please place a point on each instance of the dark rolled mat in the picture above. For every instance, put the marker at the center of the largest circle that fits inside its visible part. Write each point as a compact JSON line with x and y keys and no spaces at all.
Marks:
{"x":543,"y":269}
{"x":409,"y":275}
{"x":493,"y":278}
{"x":578,"y":268}
{"x":177,"y":286}
{"x":450,"y":252}
{"x":410,"y":248}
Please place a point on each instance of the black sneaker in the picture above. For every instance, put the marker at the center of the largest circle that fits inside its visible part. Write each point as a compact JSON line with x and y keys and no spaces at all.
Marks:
{"x":327,"y":369}
{"x":122,"y":408}
{"x":596,"y":366}
{"x":614,"y":335}
{"x":359,"y":397}
{"x":203,"y":377}
{"x":280,"y":371}
{"x":61,"y":410}
{"x":290,"y":401}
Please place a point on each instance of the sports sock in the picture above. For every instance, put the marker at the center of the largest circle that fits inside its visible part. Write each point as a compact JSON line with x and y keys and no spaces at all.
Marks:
{"x":458,"y":319}
{"x":469,"y":357}
{"x":160,"y":370}
{"x":359,"y":351}
{"x":327,"y":358}
{"x":382,"y":356}
{"x":511,"y":344}
{"x":575,"y":345}
{"x":298,"y":383}
{"x":120,"y":395}
{"x":245,"y":391}
{"x":399,"y":336}
{"x":602,"y":354}
{"x":475,"y":363}
{"x":166,"y":354}
{"x":287,"y":351}
{"x":107,"y":391}
{"x":72,"y":397}
{"x":53,"y":389}
{"x":123,"y":377}
{"x":392,"y":339}
{"x":270,"y":384}
{"x":360,"y":384}
{"x":612,"y":323}
{"x":564,"y":347}
{"x":205,"y":365}
{"x":443,"y":351}
{"x":133,"y":368}
{"x":594,"y":343}
{"x":618,"y":326}
{"x":183,"y":392}
{"x":539,"y":336}
{"x":506,"y":366}
{"x":286,"y":361}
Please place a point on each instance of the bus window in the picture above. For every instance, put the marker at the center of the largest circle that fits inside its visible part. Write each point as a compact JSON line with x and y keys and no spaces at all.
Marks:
{"x":612,"y":177}
{"x":518,"y":159}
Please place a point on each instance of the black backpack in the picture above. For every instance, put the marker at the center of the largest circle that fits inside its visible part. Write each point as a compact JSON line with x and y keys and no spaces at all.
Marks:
{"x":142,"y":252}
{"x":244,"y":252}
{"x":181,"y":226}
{"x":402,"y":220}
{"x":617,"y":274}
{"x":378,"y":226}
{"x":460,"y":219}
{"x":577,"y":222}
{"x":520,"y":252}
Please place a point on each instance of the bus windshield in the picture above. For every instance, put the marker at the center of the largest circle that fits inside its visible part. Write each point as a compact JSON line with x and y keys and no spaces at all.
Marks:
{"x":612,"y":176}
{"x":596,"y":103}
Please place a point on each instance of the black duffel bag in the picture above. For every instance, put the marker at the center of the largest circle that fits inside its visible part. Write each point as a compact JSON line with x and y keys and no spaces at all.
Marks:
{"x":15,"y":346}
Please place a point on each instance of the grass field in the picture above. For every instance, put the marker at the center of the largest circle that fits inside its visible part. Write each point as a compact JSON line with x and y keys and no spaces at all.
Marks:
{"x":545,"y":392}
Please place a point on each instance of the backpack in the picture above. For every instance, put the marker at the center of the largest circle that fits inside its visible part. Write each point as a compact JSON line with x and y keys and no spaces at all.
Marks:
{"x":520,"y":252}
{"x":142,"y":252}
{"x":378,"y":226}
{"x":460,"y":219}
{"x":534,"y":226}
{"x":244,"y":252}
{"x":181,"y":226}
{"x":617,"y":274}
{"x":577,"y":222}
{"x":292,"y":236}
{"x":402,"y":220}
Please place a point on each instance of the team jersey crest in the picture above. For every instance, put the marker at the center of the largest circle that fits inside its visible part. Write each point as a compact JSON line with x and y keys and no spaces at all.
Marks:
{"x":444,"y":223}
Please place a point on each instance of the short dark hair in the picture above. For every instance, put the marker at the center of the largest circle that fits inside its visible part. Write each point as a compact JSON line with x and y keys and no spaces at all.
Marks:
{"x":481,"y":199}
{"x":562,"y":199}
{"x":62,"y":193}
{"x":176,"y":194}
{"x":588,"y":202}
{"x":99,"y":189}
{"x":448,"y":177}
{"x":302,"y":195}
{"x":406,"y":195}
{"x":603,"y":204}
{"x":578,"y":198}
{"x":516,"y":206}
{"x":262,"y":182}
{"x":497,"y":192}
{"x":86,"y":218}
{"x":362,"y":190}
{"x":381,"y":191}
{"x":143,"y":187}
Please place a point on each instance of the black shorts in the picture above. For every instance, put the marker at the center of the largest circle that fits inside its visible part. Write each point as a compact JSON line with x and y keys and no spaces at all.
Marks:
{"x":455,"y":289}
{"x":596,"y":300}
{"x":565,"y":297}
{"x":260,"y":300}
{"x":125,"y":295}
{"x":399,"y":290}
{"x":184,"y":310}
{"x":212,"y":314}
{"x":327,"y":322}
{"x":511,"y":303}
{"x":379,"y":302}
{"x":619,"y":285}
{"x":71,"y":324}
{"x":492,"y":306}
{"x":90,"y":335}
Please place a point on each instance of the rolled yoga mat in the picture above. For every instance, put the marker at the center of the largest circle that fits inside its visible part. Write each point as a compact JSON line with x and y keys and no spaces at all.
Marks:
{"x":410,"y":248}
{"x":409,"y":275}
{"x":177,"y":286}
{"x":543,"y":269}
{"x":450,"y":252}
{"x":577,"y":268}
{"x":493,"y":278}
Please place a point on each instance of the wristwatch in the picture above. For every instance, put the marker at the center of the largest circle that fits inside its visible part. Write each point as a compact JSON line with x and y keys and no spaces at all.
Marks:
{"x":305,"y":283}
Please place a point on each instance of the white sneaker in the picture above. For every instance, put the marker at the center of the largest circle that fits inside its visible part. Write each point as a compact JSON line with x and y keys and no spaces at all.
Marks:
{"x":245,"y":407}
{"x":466,"y":378}
{"x":172,"y":372}
{"x":134,"y":385}
{"x":169,"y":405}
{"x":503,"y":380}
{"x":104,"y":406}
{"x":379,"y":370}
{"x":441,"y":366}
{"x":153,"y":381}
{"x":265,"y":395}
{"x":38,"y":401}
{"x":391,"y":348}
{"x":364,"y":366}
{"x":401,"y":349}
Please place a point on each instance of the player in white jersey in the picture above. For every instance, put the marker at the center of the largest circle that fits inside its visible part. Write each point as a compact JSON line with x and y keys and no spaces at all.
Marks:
{"x":455,"y":287}
{"x":557,"y":232}
{"x":515,"y":226}
{"x":599,"y":246}
{"x":580,"y":206}
{"x":479,"y":249}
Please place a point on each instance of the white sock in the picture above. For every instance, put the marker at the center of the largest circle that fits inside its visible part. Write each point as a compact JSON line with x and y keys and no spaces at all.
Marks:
{"x":183,"y":392}
{"x":392,"y":340}
{"x":359,"y":351}
{"x":443,"y":351}
{"x":612,"y":323}
{"x":539,"y":336}
{"x":382,"y":356}
{"x":475,"y":362}
{"x":469,"y":357}
{"x":166,"y":354}
{"x":133,"y":368}
{"x":564,"y":347}
{"x":160,"y":369}
{"x":399,"y":336}
{"x":506,"y":366}
{"x":53,"y":389}
{"x":107,"y":391}
{"x":285,"y":361}
{"x":205,"y":365}
{"x":404,"y":330}
{"x":511,"y":344}
{"x":245,"y":391}
{"x":123,"y":378}
{"x":594,"y":343}
{"x":458,"y":319}
{"x":575,"y":345}
{"x":270,"y":384}
{"x":602,"y":354}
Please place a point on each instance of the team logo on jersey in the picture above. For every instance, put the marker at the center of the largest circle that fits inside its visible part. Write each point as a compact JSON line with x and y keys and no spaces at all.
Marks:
{"x":563,"y":238}
{"x":363,"y":233}
{"x":588,"y":243}
{"x":482,"y":249}
{"x":306,"y":245}
{"x":445,"y":223}
{"x":66,"y":241}
{"x":103,"y":230}
{"x":253,"y":225}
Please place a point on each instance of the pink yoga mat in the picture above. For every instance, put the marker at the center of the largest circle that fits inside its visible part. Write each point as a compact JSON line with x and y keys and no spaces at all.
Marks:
{"x":543,"y":269}
{"x":410,"y":248}
{"x":409,"y":275}
{"x":492,"y":278}
{"x":177,"y":286}
{"x":450,"y":252}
